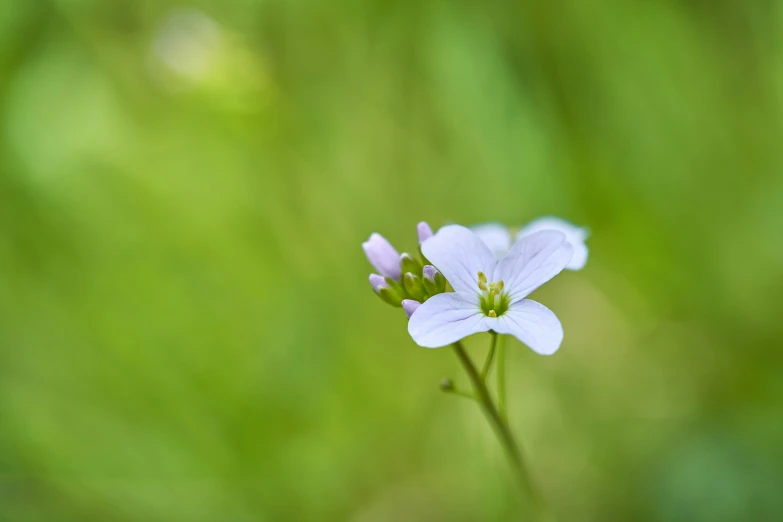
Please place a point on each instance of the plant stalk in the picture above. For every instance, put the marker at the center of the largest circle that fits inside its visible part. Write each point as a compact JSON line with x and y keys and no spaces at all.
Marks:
{"x":490,"y":356}
{"x":503,"y":433}
{"x":501,"y":372}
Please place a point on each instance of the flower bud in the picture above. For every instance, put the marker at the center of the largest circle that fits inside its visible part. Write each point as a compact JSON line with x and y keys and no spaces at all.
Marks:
{"x":428,"y":279}
{"x":433,"y":281}
{"x":424,"y":231}
{"x":440,"y":282}
{"x":389,"y":294}
{"x":410,"y":306}
{"x":377,"y":282}
{"x":410,"y":264}
{"x":413,"y":286}
{"x":383,"y":256}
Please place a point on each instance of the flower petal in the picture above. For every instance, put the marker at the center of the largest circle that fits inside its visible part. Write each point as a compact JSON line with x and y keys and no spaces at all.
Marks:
{"x":460,"y":255}
{"x":446,"y":318}
{"x":579,"y":259}
{"x":495,"y":236}
{"x":532,"y":323}
{"x":533,"y":261}
{"x":574,"y":235}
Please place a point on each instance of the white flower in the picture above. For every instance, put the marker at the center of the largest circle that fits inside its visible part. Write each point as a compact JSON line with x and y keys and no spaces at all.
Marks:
{"x":489,"y":294}
{"x":498,"y":238}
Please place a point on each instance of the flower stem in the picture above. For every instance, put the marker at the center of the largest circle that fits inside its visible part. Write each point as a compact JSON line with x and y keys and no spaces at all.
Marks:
{"x":504,"y":435}
{"x":501,"y":371}
{"x":490,"y":356}
{"x":461,"y":393}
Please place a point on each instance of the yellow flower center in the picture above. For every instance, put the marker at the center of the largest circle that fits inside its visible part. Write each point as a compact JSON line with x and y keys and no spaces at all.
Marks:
{"x":494,"y":301}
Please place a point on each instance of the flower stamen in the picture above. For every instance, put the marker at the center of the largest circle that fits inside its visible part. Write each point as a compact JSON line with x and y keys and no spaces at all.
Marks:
{"x":494,"y":302}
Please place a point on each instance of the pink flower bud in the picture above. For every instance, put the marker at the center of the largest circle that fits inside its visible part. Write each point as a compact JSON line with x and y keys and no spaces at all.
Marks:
{"x":383,"y":256}
{"x":410,"y":306}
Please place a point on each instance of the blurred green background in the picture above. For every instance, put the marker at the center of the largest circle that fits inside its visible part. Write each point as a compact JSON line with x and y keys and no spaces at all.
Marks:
{"x":186,"y":328}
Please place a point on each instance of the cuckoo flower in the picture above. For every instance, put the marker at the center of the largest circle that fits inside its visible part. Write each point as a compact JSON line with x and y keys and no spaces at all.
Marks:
{"x":403,"y":277}
{"x":489,"y":294}
{"x":498,"y":238}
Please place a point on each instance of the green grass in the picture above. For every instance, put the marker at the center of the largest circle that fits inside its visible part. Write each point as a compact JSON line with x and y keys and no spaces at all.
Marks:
{"x":186,"y":328}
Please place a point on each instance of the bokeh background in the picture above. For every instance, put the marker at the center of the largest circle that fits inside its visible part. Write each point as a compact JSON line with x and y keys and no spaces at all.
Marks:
{"x":186,"y":328}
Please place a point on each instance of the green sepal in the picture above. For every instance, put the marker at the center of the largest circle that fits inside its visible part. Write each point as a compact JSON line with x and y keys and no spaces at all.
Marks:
{"x":413,"y":286}
{"x":397,"y":286}
{"x":390,"y":296}
{"x":430,"y":286}
{"x":410,"y":264}
{"x":440,"y":283}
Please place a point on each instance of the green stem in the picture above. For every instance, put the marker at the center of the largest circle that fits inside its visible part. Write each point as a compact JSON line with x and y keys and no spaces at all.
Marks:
{"x":504,"y":434}
{"x":461,"y":394}
{"x":501,"y":371}
{"x":490,"y":356}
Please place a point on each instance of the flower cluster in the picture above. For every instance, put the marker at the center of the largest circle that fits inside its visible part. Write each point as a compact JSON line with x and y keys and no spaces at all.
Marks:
{"x":490,"y":275}
{"x":477,"y":280}
{"x":402,"y":279}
